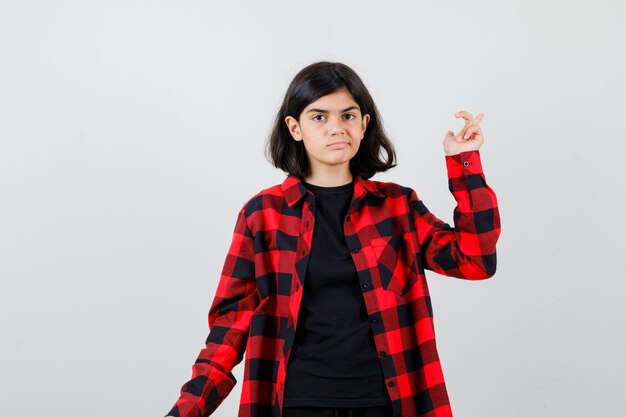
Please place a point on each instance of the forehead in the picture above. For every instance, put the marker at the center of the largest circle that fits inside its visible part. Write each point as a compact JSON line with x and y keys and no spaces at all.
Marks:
{"x":335,"y":101}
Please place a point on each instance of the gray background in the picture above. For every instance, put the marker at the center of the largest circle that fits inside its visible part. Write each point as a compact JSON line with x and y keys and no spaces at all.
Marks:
{"x":131,"y":133}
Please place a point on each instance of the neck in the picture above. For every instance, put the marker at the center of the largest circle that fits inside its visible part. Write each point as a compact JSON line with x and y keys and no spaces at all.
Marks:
{"x":329,"y":179}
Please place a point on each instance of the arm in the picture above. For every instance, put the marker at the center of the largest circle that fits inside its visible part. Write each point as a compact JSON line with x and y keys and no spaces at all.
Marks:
{"x":229,"y":319}
{"x":467,"y":250}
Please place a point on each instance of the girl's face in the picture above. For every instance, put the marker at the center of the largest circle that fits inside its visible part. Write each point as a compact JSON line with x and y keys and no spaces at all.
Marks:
{"x":331,"y":128}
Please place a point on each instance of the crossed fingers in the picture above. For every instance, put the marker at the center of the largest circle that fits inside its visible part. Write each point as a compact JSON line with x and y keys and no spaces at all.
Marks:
{"x":471,"y":125}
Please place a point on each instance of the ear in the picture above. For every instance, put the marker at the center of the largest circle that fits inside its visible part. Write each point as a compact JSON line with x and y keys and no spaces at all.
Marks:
{"x":364,"y":122}
{"x":294,"y":127}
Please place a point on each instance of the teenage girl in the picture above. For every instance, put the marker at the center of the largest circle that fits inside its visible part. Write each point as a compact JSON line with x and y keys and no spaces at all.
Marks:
{"x":341,"y":258}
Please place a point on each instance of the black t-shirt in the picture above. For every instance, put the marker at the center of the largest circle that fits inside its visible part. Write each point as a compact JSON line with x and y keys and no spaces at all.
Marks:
{"x":333,"y":362}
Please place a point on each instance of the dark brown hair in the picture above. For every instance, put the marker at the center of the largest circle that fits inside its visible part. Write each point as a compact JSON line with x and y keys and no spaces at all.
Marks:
{"x":311,"y":83}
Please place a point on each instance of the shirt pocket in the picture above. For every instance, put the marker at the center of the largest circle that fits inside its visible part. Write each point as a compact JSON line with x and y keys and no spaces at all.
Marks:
{"x":396,"y":262}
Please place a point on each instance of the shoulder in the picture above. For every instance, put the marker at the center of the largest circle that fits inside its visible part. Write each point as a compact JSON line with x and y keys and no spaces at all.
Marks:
{"x":398,"y":198}
{"x":391,"y":189}
{"x":264,"y":198}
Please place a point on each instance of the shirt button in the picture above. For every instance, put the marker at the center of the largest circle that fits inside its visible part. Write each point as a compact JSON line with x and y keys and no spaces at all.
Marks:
{"x":383,"y":353}
{"x":355,"y":250}
{"x":373,"y":320}
{"x":465,"y":163}
{"x":347,"y":218}
{"x":365,"y":285}
{"x":391,"y":383}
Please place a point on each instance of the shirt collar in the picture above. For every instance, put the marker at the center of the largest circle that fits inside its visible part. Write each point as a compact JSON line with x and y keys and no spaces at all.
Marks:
{"x":294,"y":189}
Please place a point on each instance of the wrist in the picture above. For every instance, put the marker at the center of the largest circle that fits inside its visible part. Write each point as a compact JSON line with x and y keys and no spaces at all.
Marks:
{"x":464,"y":163}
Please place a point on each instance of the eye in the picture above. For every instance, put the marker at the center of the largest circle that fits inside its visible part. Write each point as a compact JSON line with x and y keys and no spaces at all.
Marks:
{"x":317,"y":115}
{"x":353,"y":116}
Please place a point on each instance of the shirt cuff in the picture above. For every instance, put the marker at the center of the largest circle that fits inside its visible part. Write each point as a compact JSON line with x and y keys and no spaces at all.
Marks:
{"x":463,"y":164}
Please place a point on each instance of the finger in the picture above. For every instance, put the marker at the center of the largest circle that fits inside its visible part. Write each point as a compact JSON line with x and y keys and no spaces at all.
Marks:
{"x":469,"y":120}
{"x":474,"y":122}
{"x":465,"y":115}
{"x":450,"y":134}
{"x":476,"y":132}
{"x":470,"y":131}
{"x":477,"y":119}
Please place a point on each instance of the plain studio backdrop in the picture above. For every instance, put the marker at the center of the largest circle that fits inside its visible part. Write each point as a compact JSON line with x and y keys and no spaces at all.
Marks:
{"x":132,"y":132}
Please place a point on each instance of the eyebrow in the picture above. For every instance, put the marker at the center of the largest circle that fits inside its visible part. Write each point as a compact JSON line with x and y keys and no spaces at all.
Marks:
{"x":326,"y":111}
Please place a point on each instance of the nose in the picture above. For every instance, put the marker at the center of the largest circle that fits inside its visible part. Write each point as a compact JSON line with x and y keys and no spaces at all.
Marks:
{"x":336,"y":126}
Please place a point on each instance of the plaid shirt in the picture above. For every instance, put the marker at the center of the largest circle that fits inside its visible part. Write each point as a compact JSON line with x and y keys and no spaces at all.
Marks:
{"x":392,"y":238}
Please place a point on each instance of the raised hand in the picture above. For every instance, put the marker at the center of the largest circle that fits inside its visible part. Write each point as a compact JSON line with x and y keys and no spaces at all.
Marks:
{"x":470,"y":137}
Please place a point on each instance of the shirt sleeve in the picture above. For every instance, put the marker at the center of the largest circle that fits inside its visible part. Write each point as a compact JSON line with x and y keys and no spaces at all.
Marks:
{"x":467,"y":250}
{"x":229,"y":319}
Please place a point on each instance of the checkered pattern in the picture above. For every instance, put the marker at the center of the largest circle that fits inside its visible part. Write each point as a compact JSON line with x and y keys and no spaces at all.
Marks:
{"x":392,"y":237}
